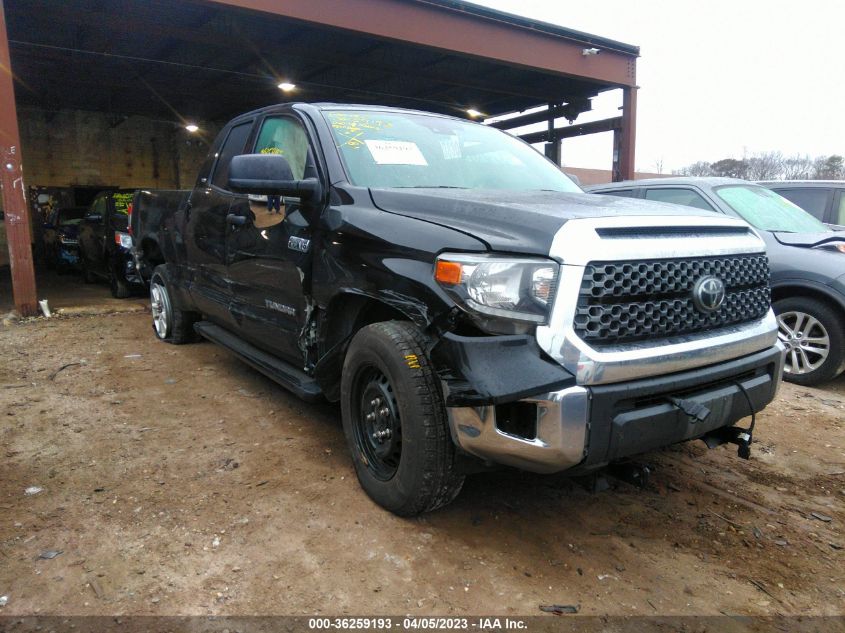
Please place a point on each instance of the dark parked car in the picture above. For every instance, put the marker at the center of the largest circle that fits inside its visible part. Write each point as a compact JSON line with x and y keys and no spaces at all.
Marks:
{"x":60,"y":239}
{"x":105,"y":244}
{"x":823,"y":199}
{"x":463,"y":300}
{"x":807,"y":260}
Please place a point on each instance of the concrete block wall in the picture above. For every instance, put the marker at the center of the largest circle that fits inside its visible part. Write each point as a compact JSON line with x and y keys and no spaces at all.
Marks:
{"x":80,"y":148}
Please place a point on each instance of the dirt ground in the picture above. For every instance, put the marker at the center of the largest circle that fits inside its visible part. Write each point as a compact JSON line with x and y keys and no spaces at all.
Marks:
{"x":176,"y":480}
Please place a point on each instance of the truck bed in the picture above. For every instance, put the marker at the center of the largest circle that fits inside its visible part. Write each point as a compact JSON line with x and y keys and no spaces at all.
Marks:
{"x":153,"y":211}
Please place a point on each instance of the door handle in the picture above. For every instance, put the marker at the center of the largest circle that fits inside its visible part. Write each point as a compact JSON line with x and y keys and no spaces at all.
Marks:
{"x":236,"y":220}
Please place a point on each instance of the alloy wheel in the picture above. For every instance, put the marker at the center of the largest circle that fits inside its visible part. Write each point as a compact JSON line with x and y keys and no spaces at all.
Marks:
{"x":806,"y":339}
{"x":159,"y":307}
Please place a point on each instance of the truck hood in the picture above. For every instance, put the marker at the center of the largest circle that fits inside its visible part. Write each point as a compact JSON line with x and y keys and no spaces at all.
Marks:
{"x":809,"y":240}
{"x":514,"y":221}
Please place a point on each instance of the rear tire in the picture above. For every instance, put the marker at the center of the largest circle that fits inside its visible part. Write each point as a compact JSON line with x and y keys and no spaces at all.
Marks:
{"x":170,"y":324}
{"x":395,"y":422}
{"x":814,"y":337}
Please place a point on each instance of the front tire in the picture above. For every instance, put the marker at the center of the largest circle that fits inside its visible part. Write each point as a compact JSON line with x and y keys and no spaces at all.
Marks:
{"x":119,"y":287}
{"x":87,"y":276}
{"x":395,"y":423}
{"x":170,"y":324}
{"x":813,"y":334}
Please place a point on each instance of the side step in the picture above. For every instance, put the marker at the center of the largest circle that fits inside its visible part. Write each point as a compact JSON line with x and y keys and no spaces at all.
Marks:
{"x":282,"y":372}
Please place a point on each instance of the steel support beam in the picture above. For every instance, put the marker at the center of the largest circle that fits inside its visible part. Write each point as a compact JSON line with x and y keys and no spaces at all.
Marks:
{"x":553,"y":144}
{"x":435,"y":26}
{"x":15,"y":206}
{"x":570,"y":131}
{"x":624,"y":145}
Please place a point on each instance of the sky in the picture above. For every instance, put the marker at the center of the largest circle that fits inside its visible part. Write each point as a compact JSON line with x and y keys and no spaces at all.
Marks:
{"x":717,"y":79}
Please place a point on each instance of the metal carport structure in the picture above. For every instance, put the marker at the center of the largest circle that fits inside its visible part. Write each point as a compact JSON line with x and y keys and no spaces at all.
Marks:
{"x":208,"y":60}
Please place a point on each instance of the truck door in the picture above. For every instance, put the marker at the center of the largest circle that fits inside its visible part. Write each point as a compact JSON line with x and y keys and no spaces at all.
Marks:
{"x":206,"y":228}
{"x":270,"y":255}
{"x":92,"y":235}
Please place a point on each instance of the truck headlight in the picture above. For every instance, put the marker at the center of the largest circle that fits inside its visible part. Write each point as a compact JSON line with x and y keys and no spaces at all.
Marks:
{"x":515,"y":288}
{"x":123,"y":239}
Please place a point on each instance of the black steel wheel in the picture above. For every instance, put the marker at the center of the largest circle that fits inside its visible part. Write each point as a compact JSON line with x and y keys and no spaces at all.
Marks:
{"x":378,"y":429}
{"x":395,"y":422}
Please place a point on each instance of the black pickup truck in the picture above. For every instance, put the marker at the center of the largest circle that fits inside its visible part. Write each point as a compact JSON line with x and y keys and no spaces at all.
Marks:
{"x":105,"y":244}
{"x":465,"y":302}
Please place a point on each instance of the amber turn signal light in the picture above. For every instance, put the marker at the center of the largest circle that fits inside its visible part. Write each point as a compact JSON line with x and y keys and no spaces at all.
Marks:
{"x":448,"y":272}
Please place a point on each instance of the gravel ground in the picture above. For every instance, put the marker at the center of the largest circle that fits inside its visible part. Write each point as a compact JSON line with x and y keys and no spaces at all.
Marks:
{"x":176,"y":480}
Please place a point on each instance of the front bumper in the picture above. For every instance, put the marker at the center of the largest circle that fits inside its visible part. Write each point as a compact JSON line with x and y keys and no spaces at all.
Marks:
{"x":124,"y":266}
{"x":585,"y":427}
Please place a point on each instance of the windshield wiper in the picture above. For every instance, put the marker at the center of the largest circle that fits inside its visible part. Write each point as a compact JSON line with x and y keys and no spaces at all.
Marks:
{"x":431,"y":187}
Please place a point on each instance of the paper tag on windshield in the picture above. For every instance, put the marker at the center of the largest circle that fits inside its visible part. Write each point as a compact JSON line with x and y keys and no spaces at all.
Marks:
{"x":396,"y":153}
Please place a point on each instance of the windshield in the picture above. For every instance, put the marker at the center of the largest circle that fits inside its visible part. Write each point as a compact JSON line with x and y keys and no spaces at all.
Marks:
{"x":70,"y":217}
{"x":122,"y":201}
{"x":390,"y":149}
{"x":765,"y":210}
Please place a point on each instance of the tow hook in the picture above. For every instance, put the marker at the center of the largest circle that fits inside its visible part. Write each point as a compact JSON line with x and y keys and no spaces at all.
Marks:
{"x":735,"y":435}
{"x":632,"y":473}
{"x":731,"y":435}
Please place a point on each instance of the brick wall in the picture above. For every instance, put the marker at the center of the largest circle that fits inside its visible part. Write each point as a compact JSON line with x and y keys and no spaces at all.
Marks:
{"x":79,"y":148}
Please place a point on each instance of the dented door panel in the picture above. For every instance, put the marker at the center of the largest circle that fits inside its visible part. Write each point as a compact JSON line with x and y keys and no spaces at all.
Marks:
{"x":269,"y":261}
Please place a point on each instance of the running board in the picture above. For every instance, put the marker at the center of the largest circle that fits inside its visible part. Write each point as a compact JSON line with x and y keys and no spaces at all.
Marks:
{"x":275,"y":369}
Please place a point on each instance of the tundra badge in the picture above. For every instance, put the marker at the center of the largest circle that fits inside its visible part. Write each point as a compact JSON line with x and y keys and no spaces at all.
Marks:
{"x":298,"y":244}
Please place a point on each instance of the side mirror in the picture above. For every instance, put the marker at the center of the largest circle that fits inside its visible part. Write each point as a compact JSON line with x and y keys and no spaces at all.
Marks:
{"x":94,"y":218}
{"x":270,"y":174}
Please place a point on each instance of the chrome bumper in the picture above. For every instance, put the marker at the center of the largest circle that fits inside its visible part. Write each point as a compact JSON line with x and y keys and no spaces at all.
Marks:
{"x":560,"y":443}
{"x":590,"y":426}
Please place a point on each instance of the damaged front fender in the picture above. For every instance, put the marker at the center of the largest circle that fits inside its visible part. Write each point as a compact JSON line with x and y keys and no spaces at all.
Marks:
{"x":490,"y":370}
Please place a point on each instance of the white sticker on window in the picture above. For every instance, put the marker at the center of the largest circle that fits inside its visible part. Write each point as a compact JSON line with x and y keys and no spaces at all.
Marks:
{"x":396,"y":153}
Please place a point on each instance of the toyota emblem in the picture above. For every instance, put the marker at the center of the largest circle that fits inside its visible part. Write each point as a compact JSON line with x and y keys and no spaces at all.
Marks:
{"x":708,"y":294}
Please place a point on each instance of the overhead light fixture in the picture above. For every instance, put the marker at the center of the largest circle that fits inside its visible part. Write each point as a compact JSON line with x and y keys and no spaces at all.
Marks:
{"x":191,"y":127}
{"x":474,"y":113}
{"x":286,"y":86}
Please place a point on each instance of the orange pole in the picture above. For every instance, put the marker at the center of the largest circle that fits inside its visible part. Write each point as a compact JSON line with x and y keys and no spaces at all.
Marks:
{"x":18,"y":228}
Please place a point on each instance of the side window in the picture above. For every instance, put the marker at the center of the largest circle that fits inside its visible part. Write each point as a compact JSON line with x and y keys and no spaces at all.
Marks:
{"x":839,"y":213}
{"x":234,"y":145}
{"x":622,"y":193}
{"x":99,"y":207}
{"x":686,"y":197}
{"x":812,"y":200}
{"x":287,"y":137}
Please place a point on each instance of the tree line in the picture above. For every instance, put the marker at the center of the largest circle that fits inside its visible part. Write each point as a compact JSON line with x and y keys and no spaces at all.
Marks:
{"x":771,"y":166}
